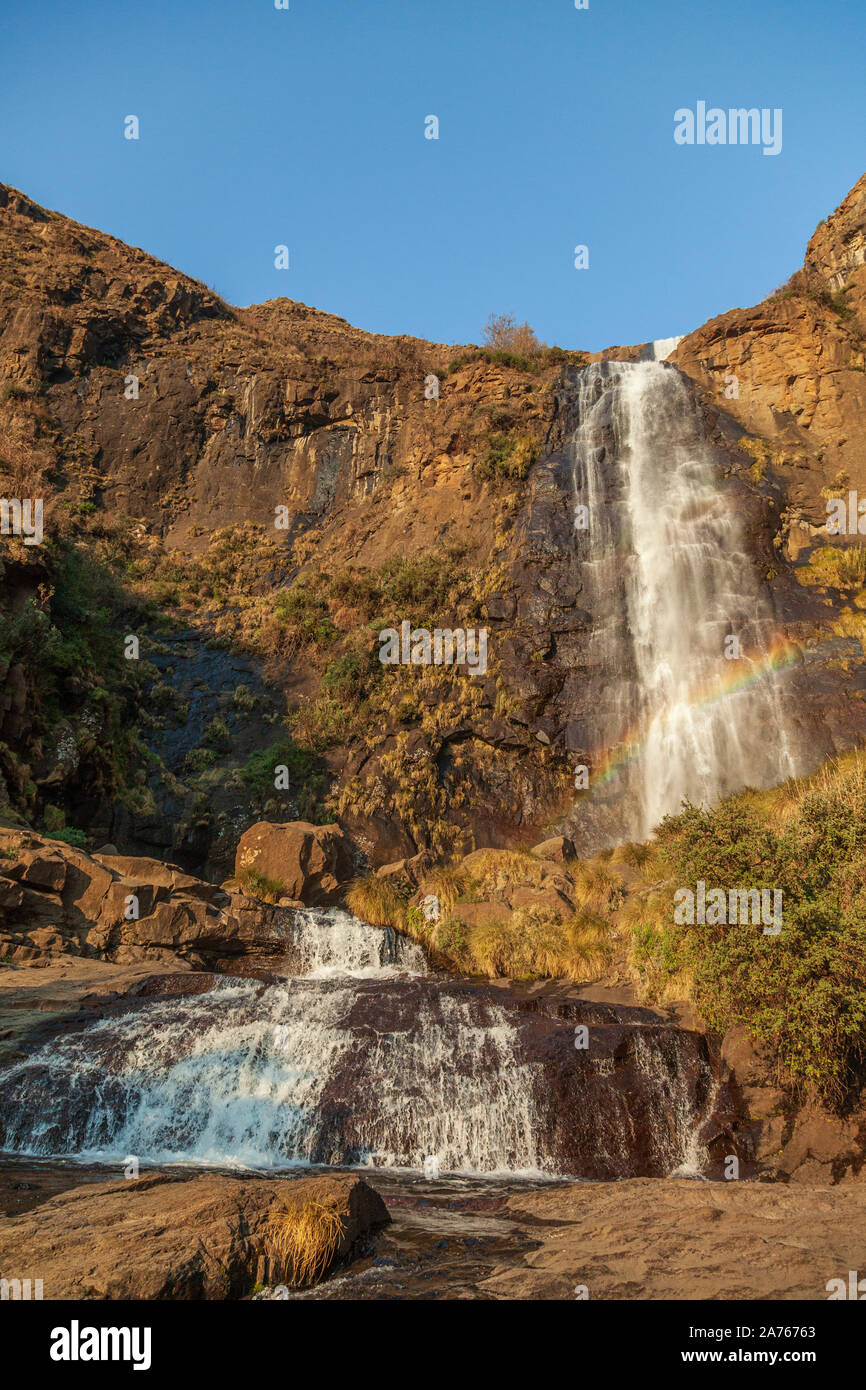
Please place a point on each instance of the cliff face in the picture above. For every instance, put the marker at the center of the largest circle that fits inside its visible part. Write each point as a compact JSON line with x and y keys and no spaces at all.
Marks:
{"x":799,"y":360}
{"x":165,"y":429}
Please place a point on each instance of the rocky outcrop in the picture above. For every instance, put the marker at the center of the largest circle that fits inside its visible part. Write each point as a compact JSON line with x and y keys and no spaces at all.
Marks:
{"x":792,"y":367}
{"x":165,"y":1237}
{"x":684,"y":1240}
{"x":795,"y":1142}
{"x":58,"y":900}
{"x":241,"y":411}
{"x":308,"y":863}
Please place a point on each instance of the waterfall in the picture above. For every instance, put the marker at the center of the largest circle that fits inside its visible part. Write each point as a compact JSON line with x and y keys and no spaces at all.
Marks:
{"x":280,"y":1075}
{"x":356,"y":1063}
{"x":337,"y":942}
{"x":661,"y":348}
{"x":686,"y":702}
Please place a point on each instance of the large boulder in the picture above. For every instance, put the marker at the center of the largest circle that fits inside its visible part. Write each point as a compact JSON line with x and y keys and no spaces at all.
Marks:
{"x":308,"y":862}
{"x":166,"y":1237}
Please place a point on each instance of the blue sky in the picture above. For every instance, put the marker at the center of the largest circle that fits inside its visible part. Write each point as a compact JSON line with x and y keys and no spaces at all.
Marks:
{"x":305,"y":127}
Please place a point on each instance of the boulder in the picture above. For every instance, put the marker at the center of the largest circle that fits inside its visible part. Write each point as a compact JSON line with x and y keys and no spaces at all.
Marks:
{"x":480,"y":914}
{"x":39,"y":864}
{"x":549,"y":898}
{"x":558,"y":848}
{"x":165,"y":1237}
{"x":309,"y":862}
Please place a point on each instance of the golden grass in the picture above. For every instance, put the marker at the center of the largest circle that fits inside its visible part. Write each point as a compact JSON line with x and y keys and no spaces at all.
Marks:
{"x":842,"y":778}
{"x":537,"y":943}
{"x":448,"y":883}
{"x":302,"y":1241}
{"x":595,"y":885}
{"x":634,"y":854}
{"x":834,"y":567}
{"x":497,"y":870}
{"x":377,"y":901}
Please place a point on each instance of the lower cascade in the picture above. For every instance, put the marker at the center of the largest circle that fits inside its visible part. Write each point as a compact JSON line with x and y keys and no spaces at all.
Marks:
{"x":684,"y":658}
{"x":359,"y":1063}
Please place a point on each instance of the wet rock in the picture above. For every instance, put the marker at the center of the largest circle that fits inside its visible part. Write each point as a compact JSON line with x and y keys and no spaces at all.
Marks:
{"x":124,"y":910}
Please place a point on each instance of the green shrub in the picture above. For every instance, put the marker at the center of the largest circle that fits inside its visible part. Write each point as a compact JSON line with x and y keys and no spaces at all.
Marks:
{"x":198,"y":760}
{"x":217,"y":733}
{"x":510,"y":454}
{"x":256,"y":885}
{"x":801,"y":993}
{"x":76,"y":838}
{"x":308,"y":776}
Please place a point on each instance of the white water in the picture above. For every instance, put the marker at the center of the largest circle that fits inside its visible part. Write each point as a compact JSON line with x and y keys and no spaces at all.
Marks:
{"x":239,"y":1077}
{"x":663,"y":347}
{"x":353,"y":1063}
{"x":333,"y":942}
{"x":668,"y":581}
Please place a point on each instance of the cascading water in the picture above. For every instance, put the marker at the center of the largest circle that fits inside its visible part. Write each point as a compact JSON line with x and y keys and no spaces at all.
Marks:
{"x":336,"y":941}
{"x":358,"y":1063}
{"x":678,"y":714}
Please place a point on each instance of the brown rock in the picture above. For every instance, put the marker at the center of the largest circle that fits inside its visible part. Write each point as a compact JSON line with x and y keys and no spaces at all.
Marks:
{"x":559,"y":847}
{"x":480,"y":914}
{"x":309,"y":861}
{"x":164,"y":1237}
{"x":39,"y":865}
{"x":180,"y":918}
{"x":547,"y":899}
{"x":744,"y":1057}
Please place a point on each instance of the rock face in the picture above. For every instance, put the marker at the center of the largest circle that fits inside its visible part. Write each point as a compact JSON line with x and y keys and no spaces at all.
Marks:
{"x":161,"y":1237}
{"x":243,"y":411}
{"x":58,"y":900}
{"x":309,"y":862}
{"x":797,"y":1144}
{"x":798,"y":359}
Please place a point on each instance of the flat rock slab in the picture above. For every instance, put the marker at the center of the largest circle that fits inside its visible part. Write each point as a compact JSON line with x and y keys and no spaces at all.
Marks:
{"x":670,"y":1239}
{"x":31,"y":994}
{"x":169,"y":1237}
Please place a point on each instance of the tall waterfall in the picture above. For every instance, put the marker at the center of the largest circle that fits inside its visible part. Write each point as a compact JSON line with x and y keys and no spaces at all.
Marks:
{"x":686,"y":701}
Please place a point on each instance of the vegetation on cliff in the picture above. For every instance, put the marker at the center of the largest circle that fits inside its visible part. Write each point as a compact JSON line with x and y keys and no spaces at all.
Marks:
{"x":801,"y":993}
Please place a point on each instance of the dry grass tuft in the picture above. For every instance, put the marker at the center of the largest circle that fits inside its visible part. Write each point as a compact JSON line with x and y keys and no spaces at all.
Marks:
{"x":595,"y":885}
{"x":634,"y":854}
{"x":303,"y":1239}
{"x":497,"y":870}
{"x":377,"y":901}
{"x":448,"y":883}
{"x":536,"y":943}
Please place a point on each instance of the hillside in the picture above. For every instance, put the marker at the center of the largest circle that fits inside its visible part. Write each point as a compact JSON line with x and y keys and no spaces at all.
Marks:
{"x":258,"y":643}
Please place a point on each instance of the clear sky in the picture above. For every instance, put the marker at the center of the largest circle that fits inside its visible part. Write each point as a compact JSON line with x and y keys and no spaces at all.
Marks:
{"x":305,"y":127}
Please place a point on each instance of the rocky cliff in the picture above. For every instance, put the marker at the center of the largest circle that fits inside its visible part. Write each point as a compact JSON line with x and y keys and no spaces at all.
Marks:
{"x":254,"y":493}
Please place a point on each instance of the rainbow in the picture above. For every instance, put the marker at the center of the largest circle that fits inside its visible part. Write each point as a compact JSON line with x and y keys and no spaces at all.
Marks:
{"x":740,"y":675}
